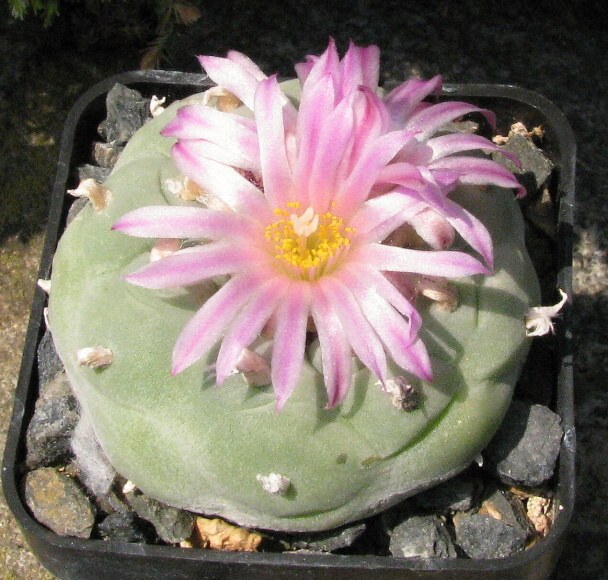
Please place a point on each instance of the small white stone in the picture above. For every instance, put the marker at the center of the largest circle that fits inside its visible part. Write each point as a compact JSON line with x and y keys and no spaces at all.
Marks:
{"x":274,"y":483}
{"x":129,"y":487}
{"x":96,"y":357}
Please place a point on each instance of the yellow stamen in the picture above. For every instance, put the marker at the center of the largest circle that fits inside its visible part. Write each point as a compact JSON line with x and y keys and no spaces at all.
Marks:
{"x":308,"y":245}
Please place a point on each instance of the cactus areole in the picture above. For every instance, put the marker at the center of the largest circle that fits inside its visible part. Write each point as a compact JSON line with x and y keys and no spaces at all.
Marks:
{"x":302,"y":310}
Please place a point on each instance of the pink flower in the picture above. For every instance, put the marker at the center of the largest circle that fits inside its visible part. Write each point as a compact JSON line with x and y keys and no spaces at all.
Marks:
{"x":309,"y":195}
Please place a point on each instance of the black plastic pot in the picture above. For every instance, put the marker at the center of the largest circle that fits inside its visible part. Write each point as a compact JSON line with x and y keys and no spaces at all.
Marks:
{"x":71,"y":558}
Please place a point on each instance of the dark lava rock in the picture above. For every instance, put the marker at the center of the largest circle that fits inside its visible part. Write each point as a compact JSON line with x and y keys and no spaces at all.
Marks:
{"x":482,"y":536}
{"x":456,"y":494}
{"x":50,"y":431}
{"x":509,"y":510}
{"x":127,"y":111}
{"x":59,"y":503}
{"x":329,"y":541}
{"x":48,"y":360}
{"x":126,"y":527}
{"x":106,"y":154}
{"x":525,"y":448}
{"x":421,"y":536}
{"x":99,"y":174}
{"x":536,"y":167}
{"x":171,"y":524}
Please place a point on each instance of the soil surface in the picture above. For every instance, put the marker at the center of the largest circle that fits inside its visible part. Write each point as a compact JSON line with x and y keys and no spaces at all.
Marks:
{"x":556,"y":51}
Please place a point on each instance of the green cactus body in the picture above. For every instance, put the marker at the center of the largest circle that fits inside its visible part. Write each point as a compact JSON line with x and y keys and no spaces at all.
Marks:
{"x":190,"y":444}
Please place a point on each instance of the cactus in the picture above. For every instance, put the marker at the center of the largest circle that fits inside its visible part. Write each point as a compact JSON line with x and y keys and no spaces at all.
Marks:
{"x":227,"y":450}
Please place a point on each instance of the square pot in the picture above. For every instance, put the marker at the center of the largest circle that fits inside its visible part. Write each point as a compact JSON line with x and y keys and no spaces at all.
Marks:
{"x":68,"y":557}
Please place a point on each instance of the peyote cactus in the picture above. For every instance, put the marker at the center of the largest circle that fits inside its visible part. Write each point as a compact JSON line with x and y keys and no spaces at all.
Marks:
{"x":354,"y":284}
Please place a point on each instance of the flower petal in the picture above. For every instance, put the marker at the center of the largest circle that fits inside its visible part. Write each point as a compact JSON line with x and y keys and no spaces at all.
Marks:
{"x":193,"y":265}
{"x":402,"y":100}
{"x":207,"y":326}
{"x":183,"y":222}
{"x":448,"y":264}
{"x":429,"y":120}
{"x":289,"y":341}
{"x":233,"y":75}
{"x":452,"y":143}
{"x":249,"y":324}
{"x":361,"y":335}
{"x":476,"y":171}
{"x":360,"y":67}
{"x":268,"y":108}
{"x":221,"y":181}
{"x":335,"y":350}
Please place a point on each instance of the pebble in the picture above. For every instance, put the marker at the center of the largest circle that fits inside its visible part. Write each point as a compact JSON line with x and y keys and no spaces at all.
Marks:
{"x":456,"y":494}
{"x":421,"y":536}
{"x":127,"y":111}
{"x":49,"y":433}
{"x":171,"y":524}
{"x":126,"y":527}
{"x":329,"y":541}
{"x":525,"y":448}
{"x":536,"y":167}
{"x":482,"y":536}
{"x":99,"y":174}
{"x":59,"y":503}
{"x":49,"y":363}
{"x":106,"y":154}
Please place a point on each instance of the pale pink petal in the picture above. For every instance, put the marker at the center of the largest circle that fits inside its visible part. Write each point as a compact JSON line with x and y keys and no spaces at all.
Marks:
{"x":433,"y":228}
{"x":394,"y":332}
{"x":326,"y":64}
{"x":193,"y":265}
{"x":268,"y":108}
{"x":208,"y":325}
{"x":249,"y":323}
{"x":234,"y":136}
{"x":385,"y":288}
{"x":452,"y":143}
{"x":289,"y":341}
{"x":371,"y":121}
{"x":448,"y":264}
{"x":335,"y":350}
{"x":377,"y":154}
{"x":246,"y":64}
{"x":233,"y":76}
{"x":402,"y":173}
{"x":316,"y":105}
{"x":376,"y":218}
{"x":221,"y":181}
{"x":361,"y":335}
{"x":476,"y":171}
{"x":430,"y":119}
{"x":333,"y":143}
{"x":402,"y":100}
{"x":472,"y":231}
{"x":360,"y":67}
{"x":184,"y":222}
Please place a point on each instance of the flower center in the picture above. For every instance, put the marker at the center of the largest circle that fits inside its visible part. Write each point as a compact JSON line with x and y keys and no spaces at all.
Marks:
{"x":307,"y":245}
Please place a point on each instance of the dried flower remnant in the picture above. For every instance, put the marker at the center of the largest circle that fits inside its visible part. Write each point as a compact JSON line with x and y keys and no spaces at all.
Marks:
{"x":539,"y":318}
{"x":404,"y":395}
{"x":310,"y":195}
{"x":97,"y":357}
{"x":98,"y":195}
